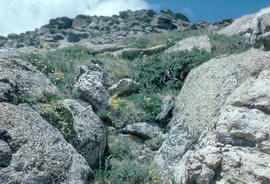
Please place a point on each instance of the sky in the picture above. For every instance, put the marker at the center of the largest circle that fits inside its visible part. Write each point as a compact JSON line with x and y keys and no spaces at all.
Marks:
{"x":18,"y":16}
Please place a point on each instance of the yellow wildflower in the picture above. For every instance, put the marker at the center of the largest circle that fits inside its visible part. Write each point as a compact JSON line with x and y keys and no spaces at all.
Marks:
{"x":46,"y":46}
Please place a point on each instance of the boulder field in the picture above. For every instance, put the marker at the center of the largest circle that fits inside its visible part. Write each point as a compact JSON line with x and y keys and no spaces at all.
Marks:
{"x":215,"y":131}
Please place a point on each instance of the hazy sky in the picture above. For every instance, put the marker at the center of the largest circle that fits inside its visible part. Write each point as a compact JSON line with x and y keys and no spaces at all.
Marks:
{"x":18,"y":16}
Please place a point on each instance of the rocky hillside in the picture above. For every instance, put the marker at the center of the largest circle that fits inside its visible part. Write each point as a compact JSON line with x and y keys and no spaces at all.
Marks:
{"x":142,"y":97}
{"x":86,"y":30}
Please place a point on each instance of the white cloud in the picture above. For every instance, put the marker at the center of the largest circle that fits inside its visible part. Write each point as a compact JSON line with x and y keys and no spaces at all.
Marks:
{"x":18,"y":16}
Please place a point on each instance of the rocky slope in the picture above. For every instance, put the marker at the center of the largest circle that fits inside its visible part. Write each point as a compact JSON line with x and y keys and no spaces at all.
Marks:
{"x":86,"y":30}
{"x":107,"y":112}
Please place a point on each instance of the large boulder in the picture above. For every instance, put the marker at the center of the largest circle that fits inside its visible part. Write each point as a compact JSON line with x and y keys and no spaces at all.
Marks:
{"x":247,"y":25}
{"x":40,"y":153}
{"x":241,"y":26}
{"x":242,"y":132}
{"x":199,"y":42}
{"x":90,"y":87}
{"x":90,"y":139}
{"x":18,"y":77}
{"x":199,"y":106}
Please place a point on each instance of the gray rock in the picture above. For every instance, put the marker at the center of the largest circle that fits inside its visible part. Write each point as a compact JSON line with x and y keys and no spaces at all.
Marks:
{"x":3,"y":41}
{"x":246,"y":25}
{"x":166,"y":110}
{"x":17,"y":77}
{"x":81,"y":21}
{"x":99,"y":49}
{"x":124,"y":87}
{"x":90,"y":139}
{"x":163,"y":22}
{"x":90,"y":88}
{"x":132,"y":53}
{"x":181,"y":17}
{"x":143,"y":130}
{"x":40,"y":154}
{"x":199,"y":42}
{"x":199,"y":105}
{"x":5,"y":154}
{"x":261,"y":31}
{"x":60,"y":23}
{"x":245,"y":120}
{"x":200,"y":24}
{"x":241,"y":26}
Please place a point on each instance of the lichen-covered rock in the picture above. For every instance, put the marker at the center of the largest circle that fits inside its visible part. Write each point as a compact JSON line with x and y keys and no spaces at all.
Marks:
{"x":166,"y":110}
{"x":124,"y":87}
{"x":90,"y":139}
{"x":246,"y":25}
{"x":40,"y":154}
{"x":261,"y":31}
{"x":132,"y":53}
{"x":245,"y":121}
{"x":18,"y":77}
{"x":90,"y":87}
{"x":241,"y":26}
{"x":199,"y":42}
{"x":200,"y":105}
{"x":240,"y":150}
{"x":5,"y":152}
{"x":143,"y":130}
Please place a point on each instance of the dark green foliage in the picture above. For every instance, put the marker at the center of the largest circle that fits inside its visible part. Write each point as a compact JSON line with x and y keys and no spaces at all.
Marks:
{"x":150,"y":103}
{"x":120,"y":150}
{"x":105,"y":116}
{"x":129,"y":172}
{"x":28,"y":98}
{"x":166,"y":71}
{"x":48,"y":97}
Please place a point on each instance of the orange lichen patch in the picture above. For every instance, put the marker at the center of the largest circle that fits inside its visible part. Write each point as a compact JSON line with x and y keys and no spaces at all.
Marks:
{"x":132,"y":138}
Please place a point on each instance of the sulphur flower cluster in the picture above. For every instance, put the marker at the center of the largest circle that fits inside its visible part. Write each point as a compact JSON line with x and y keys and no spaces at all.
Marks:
{"x":46,"y":46}
{"x":157,"y":177}
{"x":56,"y":75}
{"x":103,"y":54}
{"x":115,"y":101}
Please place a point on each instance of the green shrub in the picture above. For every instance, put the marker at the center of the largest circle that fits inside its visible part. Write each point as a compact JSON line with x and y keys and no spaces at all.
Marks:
{"x":223,"y":44}
{"x":120,"y":150}
{"x":61,"y":66}
{"x":105,"y":116}
{"x":150,"y":103}
{"x":129,"y":172}
{"x":26,"y":97}
{"x":168,"y":71}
